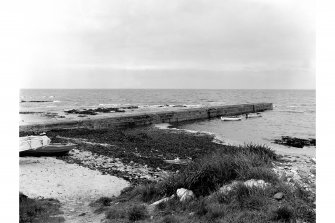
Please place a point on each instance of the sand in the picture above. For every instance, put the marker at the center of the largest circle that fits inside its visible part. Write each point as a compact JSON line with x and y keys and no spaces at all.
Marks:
{"x":74,"y":186}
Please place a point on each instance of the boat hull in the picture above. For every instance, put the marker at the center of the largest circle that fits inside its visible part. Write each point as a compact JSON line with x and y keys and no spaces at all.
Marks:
{"x":254,"y":116}
{"x":230,"y":119}
{"x":50,"y":150}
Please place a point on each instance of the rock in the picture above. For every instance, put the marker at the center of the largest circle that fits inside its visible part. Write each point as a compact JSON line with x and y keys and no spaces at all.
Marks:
{"x":82,"y":214}
{"x":225,"y":189}
{"x":249,"y":183}
{"x":313,"y":171}
{"x":93,"y":111}
{"x":184,"y":194}
{"x":256,"y":183}
{"x":152,"y":206}
{"x":162,"y":200}
{"x":295,"y":142}
{"x":278,"y":196}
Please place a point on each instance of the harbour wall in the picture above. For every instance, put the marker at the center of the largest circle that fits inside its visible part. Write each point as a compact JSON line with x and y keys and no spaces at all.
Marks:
{"x":134,"y":120}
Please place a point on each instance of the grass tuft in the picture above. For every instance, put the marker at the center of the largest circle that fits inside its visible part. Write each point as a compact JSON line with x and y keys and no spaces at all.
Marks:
{"x":137,"y":212}
{"x":38,"y":210}
{"x":284,"y":213}
{"x":169,"y":219}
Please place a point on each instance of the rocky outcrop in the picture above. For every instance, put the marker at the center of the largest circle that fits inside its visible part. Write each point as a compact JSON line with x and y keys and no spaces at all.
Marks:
{"x":94,"y":111}
{"x":295,"y":142}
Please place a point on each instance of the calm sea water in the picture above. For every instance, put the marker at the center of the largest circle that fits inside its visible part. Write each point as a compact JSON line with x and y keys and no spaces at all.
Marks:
{"x":293,"y":113}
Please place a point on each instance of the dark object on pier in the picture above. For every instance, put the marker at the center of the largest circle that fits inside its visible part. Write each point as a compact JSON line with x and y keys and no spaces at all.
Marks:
{"x":295,"y":142}
{"x":54,"y":149}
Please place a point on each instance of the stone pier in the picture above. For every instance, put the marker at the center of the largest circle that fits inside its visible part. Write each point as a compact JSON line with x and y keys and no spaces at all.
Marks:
{"x":148,"y":118}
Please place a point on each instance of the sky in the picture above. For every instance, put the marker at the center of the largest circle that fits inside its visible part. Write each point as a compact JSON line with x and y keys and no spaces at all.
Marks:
{"x":220,"y":44}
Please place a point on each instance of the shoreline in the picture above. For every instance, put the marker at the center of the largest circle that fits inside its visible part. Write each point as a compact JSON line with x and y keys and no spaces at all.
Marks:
{"x":127,"y":154}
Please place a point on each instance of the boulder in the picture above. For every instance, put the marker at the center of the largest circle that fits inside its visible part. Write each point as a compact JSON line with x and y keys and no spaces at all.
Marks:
{"x":278,"y":196}
{"x":184,"y":194}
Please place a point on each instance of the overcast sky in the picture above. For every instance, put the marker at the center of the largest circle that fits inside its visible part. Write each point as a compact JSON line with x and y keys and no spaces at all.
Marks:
{"x":169,"y":44}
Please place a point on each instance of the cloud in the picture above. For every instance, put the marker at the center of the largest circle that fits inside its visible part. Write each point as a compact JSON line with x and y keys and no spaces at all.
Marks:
{"x":130,"y":35}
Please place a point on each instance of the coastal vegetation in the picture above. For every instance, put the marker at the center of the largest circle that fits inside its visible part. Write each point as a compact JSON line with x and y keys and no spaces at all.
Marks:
{"x":223,"y":183}
{"x":39,"y":210}
{"x":207,"y":178}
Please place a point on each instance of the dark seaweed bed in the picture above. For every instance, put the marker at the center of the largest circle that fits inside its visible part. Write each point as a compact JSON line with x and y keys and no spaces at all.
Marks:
{"x":145,"y":145}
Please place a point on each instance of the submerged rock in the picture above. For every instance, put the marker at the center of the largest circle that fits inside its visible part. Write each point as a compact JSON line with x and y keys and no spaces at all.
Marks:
{"x":295,"y":142}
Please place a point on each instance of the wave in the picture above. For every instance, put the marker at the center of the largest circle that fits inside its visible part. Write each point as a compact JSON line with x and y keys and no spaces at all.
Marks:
{"x":109,"y":105}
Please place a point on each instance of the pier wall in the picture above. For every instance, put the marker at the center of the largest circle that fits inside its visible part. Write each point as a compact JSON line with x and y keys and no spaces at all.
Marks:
{"x":133,"y":120}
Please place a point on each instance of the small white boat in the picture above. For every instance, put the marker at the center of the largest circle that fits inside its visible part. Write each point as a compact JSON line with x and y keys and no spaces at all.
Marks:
{"x":231,"y":118}
{"x":254,"y":115}
{"x":42,"y":146}
{"x":33,"y":142}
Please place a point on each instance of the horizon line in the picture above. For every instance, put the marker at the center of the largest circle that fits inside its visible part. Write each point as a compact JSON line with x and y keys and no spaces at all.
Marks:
{"x":167,"y":89}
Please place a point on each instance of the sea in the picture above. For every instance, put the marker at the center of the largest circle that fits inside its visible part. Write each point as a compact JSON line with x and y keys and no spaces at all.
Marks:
{"x":293,"y":114}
